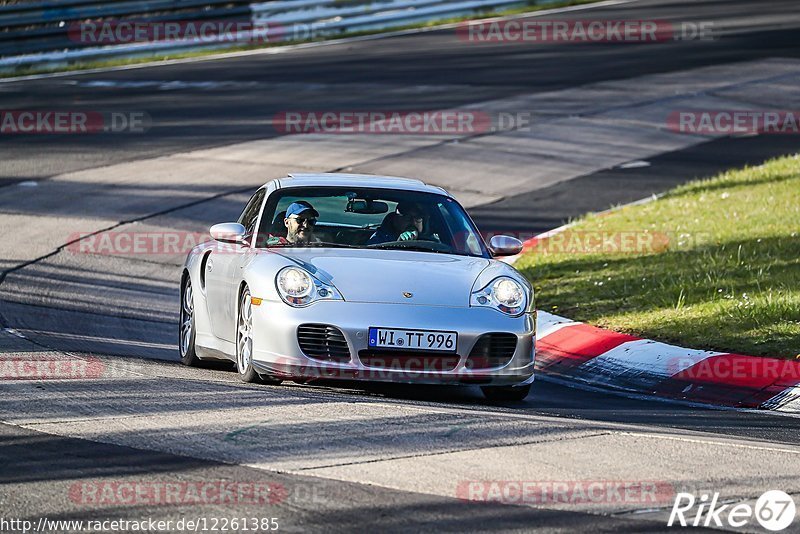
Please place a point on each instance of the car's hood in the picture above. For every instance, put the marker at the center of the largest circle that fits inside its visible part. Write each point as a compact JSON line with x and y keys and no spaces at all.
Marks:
{"x":386,"y":275}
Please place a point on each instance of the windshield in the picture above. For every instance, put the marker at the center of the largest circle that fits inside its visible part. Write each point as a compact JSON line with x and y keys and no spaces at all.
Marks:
{"x":368,"y":218}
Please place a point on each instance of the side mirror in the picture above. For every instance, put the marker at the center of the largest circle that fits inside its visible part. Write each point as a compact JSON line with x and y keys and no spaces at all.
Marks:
{"x":229,"y":233}
{"x":504,"y":245}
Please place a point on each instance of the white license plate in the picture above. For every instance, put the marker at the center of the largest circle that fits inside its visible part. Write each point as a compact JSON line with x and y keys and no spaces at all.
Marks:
{"x":398,"y":338}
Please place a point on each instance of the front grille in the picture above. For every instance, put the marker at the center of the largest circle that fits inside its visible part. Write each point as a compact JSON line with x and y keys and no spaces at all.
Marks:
{"x":323,"y":342}
{"x":408,"y":361}
{"x":492,"y":350}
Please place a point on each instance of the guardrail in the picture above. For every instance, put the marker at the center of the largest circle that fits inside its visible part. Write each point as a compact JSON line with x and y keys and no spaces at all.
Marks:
{"x":51,"y":33}
{"x":34,"y":27}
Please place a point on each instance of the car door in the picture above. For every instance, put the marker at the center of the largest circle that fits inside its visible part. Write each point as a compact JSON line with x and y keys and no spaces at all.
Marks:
{"x":223,"y":273}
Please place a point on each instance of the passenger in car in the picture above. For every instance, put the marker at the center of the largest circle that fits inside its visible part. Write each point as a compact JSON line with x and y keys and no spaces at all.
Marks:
{"x":405,"y":223}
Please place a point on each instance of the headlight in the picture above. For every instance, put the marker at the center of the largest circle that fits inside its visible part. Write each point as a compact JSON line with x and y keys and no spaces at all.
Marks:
{"x":295,"y":283}
{"x":508,"y":293}
{"x":298,"y":288}
{"x":504,"y":294}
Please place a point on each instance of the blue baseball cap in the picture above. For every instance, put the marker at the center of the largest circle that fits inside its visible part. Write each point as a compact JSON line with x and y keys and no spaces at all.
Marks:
{"x":296,"y":208}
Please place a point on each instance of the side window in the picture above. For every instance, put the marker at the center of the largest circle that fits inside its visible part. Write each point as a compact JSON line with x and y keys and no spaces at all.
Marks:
{"x":449,"y":223}
{"x":464,"y":240}
{"x":249,"y":216}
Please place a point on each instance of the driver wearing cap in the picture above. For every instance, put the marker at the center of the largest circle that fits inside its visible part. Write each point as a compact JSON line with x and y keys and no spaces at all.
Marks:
{"x":301,"y":217}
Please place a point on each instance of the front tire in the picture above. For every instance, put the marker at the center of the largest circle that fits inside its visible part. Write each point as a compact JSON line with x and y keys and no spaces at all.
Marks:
{"x":244,"y":339}
{"x":186,"y":329}
{"x":506,"y":393}
{"x":244,"y":342}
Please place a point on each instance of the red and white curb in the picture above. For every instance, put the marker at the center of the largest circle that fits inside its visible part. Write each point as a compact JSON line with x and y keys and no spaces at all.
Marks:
{"x":586,"y":355}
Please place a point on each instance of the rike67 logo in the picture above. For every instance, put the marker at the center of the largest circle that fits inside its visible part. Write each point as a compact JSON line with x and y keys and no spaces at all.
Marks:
{"x":774,"y":510}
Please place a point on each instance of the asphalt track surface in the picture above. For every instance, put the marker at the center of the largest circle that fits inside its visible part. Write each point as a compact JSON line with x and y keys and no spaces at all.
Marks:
{"x":431,"y":70}
{"x":223,"y":102}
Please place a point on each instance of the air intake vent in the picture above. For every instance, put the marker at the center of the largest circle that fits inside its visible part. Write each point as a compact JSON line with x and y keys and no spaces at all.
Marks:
{"x":323,"y":342}
{"x":492,"y":350}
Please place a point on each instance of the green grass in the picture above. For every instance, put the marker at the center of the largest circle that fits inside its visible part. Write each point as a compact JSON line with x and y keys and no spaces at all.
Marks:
{"x":104,"y":63}
{"x":723,"y":272}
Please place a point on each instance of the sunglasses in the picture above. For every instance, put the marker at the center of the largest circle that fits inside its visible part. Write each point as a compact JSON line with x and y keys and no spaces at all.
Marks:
{"x":303,"y":220}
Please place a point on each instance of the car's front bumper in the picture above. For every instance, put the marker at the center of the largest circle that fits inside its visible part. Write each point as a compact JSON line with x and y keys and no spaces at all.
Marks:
{"x":277,"y":350}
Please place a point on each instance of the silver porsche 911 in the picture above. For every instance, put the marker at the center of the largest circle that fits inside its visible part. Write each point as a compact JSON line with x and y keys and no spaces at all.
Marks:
{"x":355,"y":277}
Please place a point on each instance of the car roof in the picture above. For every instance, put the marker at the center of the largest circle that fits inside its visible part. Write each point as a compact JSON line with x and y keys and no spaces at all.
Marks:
{"x":336,"y":179}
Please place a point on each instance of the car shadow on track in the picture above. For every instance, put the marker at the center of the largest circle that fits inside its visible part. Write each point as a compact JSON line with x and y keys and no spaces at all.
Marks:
{"x":461,"y":394}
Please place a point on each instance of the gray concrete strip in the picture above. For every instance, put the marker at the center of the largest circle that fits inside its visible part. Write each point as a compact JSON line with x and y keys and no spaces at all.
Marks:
{"x":613,"y":126}
{"x":98,"y":284}
{"x":95,"y":481}
{"x":227,"y":101}
{"x":317,"y":151}
{"x":657,"y":114}
{"x":606,"y":96}
{"x":269,"y":427}
{"x":672,"y":465}
{"x":778,"y":95}
{"x":428,"y":449}
{"x":538,"y":211}
{"x":61,"y":209}
{"x":517,"y":162}
{"x":39,"y":235}
{"x":424,"y":449}
{"x":89,"y":332}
